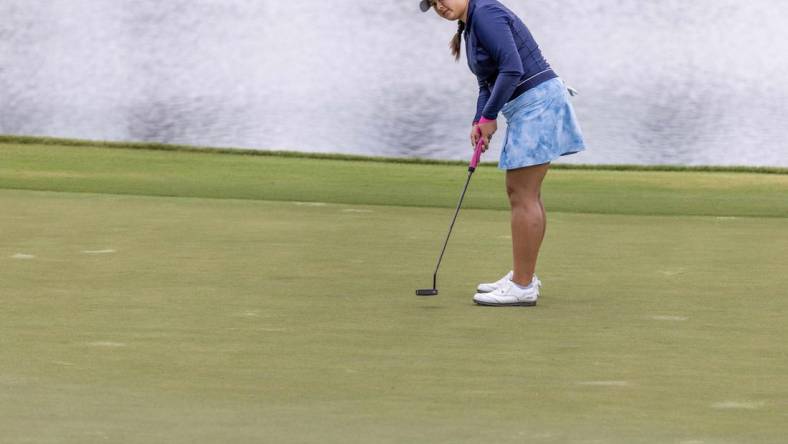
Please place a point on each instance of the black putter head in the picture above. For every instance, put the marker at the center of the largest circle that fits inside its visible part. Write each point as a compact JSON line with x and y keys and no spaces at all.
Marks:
{"x":427,"y":292}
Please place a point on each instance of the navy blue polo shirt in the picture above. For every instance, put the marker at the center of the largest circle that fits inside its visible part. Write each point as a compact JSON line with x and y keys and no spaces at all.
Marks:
{"x":503,"y":54}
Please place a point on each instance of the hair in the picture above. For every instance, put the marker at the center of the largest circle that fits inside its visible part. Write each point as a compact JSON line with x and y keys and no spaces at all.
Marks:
{"x":456,"y":41}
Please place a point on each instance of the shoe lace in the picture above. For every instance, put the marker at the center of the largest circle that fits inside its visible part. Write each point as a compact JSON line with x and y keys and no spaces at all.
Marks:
{"x":504,"y":287}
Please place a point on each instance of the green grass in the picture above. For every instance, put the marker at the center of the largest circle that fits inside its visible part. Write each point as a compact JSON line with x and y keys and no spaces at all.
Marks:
{"x":220,"y":175}
{"x":52,"y":141}
{"x":231,"y":311}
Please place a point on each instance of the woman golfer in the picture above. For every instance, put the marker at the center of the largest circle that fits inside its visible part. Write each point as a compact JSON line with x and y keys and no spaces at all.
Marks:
{"x":516,"y":80}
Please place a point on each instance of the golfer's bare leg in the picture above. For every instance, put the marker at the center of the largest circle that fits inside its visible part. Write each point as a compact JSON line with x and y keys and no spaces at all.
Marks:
{"x":528,"y":219}
{"x":544,"y":219}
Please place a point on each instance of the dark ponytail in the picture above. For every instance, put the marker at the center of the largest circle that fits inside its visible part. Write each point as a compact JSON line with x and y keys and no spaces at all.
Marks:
{"x":457,"y":40}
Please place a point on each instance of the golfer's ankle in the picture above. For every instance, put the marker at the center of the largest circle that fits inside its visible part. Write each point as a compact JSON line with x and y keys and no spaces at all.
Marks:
{"x":522,"y":280}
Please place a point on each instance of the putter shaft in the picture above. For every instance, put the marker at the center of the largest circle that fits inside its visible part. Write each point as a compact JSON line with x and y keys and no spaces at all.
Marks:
{"x":471,"y":168}
{"x":451,"y":227}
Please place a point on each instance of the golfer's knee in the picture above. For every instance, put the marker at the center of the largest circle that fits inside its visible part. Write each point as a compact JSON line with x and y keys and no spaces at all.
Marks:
{"x":521,"y":198}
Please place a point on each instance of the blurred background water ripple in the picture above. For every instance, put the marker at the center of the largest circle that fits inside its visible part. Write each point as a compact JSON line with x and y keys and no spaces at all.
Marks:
{"x":668,"y":81}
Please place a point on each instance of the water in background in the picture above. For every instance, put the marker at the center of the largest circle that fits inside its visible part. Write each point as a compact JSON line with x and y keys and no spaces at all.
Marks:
{"x":661,"y":81}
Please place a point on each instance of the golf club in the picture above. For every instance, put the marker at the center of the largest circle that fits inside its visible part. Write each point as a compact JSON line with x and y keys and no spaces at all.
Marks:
{"x":477,"y":153}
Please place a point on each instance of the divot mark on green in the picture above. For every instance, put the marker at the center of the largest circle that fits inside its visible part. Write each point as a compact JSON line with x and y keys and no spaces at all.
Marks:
{"x":64,"y":363}
{"x":98,"y":251}
{"x":604,"y":383}
{"x":672,"y":272}
{"x":23,"y":256}
{"x":669,"y":318}
{"x":106,"y":344}
{"x":746,"y":405}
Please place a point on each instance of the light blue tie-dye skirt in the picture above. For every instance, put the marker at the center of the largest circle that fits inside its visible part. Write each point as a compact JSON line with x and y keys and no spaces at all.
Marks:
{"x":541,"y":127}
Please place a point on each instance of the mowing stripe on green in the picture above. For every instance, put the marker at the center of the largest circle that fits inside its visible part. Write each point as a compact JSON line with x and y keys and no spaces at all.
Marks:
{"x":13,"y":139}
{"x":91,"y":169}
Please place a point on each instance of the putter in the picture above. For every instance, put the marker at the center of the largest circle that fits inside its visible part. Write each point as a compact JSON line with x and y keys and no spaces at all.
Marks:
{"x":477,"y":154}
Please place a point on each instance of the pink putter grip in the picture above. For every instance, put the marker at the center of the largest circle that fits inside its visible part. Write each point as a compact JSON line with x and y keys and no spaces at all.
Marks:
{"x":477,"y":154}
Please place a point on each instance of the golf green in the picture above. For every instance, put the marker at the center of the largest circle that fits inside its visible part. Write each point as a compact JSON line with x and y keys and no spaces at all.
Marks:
{"x":154,"y":296}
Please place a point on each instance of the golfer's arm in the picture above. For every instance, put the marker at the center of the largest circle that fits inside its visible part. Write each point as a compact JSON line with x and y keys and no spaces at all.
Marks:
{"x":495,"y":35}
{"x":481,"y":102}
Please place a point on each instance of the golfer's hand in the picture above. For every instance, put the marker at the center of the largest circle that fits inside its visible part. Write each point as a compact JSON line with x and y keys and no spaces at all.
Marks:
{"x":475,"y":134}
{"x":487,"y":130}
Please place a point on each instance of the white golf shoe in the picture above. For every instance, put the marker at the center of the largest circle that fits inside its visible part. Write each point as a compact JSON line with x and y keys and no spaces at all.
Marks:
{"x":492,"y":286}
{"x":509,"y":294}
